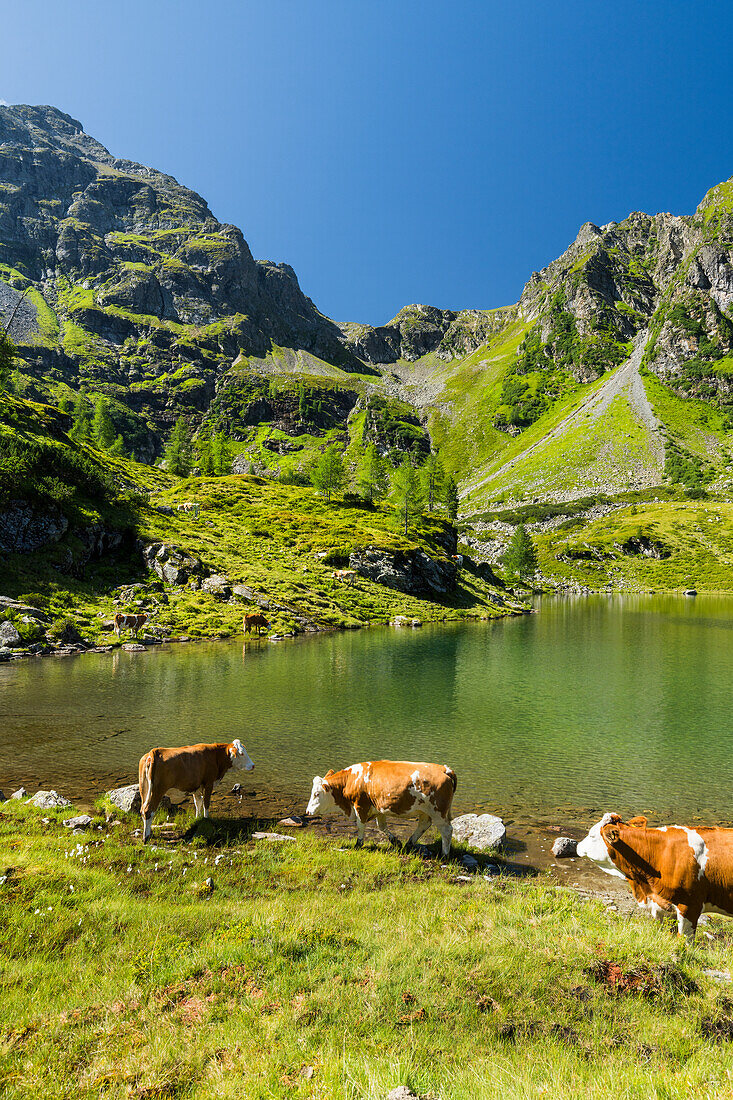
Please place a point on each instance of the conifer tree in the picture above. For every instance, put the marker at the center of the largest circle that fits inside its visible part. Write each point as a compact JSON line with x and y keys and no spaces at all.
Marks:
{"x":221,"y":455}
{"x":434,"y":478}
{"x":82,"y":426}
{"x":520,"y":557}
{"x":370,"y":479}
{"x":327,"y":474}
{"x":407,"y":491}
{"x":7,"y":355}
{"x":178,"y":449}
{"x":118,"y":447}
{"x":450,"y":497}
{"x":102,"y":427}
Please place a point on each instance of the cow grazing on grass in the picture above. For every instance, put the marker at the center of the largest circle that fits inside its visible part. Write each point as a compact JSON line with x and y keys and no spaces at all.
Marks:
{"x":380,"y":787}
{"x":254,"y":619}
{"x":672,"y":869}
{"x":194,"y":769}
{"x":348,"y":576}
{"x":189,"y":506}
{"x":129,"y":622}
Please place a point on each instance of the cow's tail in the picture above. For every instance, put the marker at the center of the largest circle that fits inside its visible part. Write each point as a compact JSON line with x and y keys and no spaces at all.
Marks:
{"x":452,"y":776}
{"x":145,"y":780}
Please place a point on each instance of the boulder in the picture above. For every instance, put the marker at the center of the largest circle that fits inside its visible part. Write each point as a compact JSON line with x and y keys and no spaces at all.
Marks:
{"x":2,"y":797}
{"x":5,"y":653}
{"x":22,"y":530}
{"x":20,"y":793}
{"x":49,"y":800}
{"x":126,"y":798}
{"x":133,"y":647}
{"x":564,"y":847}
{"x":271,"y":836}
{"x":83,"y":821}
{"x":483,"y":831}
{"x":9,"y":636}
{"x":218,"y":586}
{"x":411,"y":571}
{"x":171,"y":564}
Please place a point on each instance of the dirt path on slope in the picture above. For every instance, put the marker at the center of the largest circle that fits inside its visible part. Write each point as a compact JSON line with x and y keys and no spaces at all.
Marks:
{"x":625,"y":381}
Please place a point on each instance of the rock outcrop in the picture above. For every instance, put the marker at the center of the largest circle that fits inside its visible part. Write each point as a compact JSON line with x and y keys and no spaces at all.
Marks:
{"x":410,"y":571}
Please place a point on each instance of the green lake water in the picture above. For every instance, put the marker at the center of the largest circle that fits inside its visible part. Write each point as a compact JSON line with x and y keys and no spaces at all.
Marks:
{"x":592,"y":704}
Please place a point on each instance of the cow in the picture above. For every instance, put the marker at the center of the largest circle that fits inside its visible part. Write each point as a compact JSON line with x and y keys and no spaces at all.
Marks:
{"x":189,"y":506}
{"x":379,"y":787}
{"x":348,"y":576}
{"x":195,"y":769}
{"x":671,"y":869}
{"x":254,"y":619}
{"x":129,"y":622}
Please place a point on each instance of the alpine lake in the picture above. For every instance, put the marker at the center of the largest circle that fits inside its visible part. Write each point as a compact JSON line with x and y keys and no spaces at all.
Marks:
{"x":550,"y":719}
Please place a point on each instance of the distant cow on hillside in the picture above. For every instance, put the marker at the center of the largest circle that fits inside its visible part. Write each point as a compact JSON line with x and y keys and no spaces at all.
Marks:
{"x":254,"y":619}
{"x":189,"y":506}
{"x":129,"y":622}
{"x":348,"y":576}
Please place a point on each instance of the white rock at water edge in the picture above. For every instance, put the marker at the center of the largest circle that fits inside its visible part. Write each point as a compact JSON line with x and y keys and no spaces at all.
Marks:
{"x":565,"y":848}
{"x":49,"y":800}
{"x":20,"y":793}
{"x":482,"y":831}
{"x":83,"y":821}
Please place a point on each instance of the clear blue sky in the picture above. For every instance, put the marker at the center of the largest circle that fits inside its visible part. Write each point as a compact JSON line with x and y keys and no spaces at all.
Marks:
{"x":435,"y":151}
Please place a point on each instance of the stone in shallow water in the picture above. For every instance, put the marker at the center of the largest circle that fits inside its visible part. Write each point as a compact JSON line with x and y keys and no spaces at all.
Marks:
{"x":482,"y":831}
{"x":565,"y":848}
{"x":49,"y":800}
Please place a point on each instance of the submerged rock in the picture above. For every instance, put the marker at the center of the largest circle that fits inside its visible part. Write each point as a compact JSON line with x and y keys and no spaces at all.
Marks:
{"x":49,"y":800}
{"x":565,"y":848}
{"x":483,"y":831}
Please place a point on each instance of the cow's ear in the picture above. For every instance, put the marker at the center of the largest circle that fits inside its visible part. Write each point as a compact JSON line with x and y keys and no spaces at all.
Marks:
{"x":329,"y":772}
{"x":610,"y":834}
{"x":637,"y":822}
{"x":614,"y":819}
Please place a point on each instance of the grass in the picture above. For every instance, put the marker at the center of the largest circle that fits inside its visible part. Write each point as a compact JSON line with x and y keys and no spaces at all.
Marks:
{"x":696,"y":535}
{"x":315,"y":970}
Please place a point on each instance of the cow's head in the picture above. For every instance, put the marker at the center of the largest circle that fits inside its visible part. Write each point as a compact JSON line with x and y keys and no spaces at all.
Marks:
{"x":239,"y":756}
{"x":598,"y":843}
{"x":321,"y":799}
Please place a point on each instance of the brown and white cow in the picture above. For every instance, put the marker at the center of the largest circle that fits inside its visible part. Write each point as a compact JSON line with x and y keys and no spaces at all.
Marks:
{"x":193,"y":769}
{"x":670,"y":869}
{"x":254,"y":619}
{"x":376,"y":788}
{"x":348,"y":576}
{"x":129,"y":622}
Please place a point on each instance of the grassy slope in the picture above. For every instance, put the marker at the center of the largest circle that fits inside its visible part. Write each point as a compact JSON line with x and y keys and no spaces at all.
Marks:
{"x":697,"y":534}
{"x":319,"y":971}
{"x":259,"y":533}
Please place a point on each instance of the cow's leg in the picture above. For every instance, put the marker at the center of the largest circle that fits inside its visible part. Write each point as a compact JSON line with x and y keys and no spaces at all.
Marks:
{"x":198,"y":801}
{"x":423,"y":823}
{"x":207,"y":797}
{"x":382,"y":823}
{"x":446,"y":831}
{"x":687,"y":918}
{"x":360,"y":829}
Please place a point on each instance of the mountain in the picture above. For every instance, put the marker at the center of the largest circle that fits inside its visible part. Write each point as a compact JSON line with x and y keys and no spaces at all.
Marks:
{"x":612,"y":375}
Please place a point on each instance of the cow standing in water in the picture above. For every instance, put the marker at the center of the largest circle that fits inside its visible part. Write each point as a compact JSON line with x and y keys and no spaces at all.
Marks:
{"x":193,"y":769}
{"x":670,"y":869}
{"x":380,"y":787}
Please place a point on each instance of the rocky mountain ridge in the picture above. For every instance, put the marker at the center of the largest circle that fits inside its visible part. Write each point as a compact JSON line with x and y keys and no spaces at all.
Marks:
{"x":116,"y":279}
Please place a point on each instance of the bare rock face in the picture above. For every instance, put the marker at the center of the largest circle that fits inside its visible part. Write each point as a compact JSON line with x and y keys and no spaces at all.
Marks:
{"x":23,"y":530}
{"x":170,"y":564}
{"x":411,"y":571}
{"x":218,"y":586}
{"x":9,"y":635}
{"x":482,"y":831}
